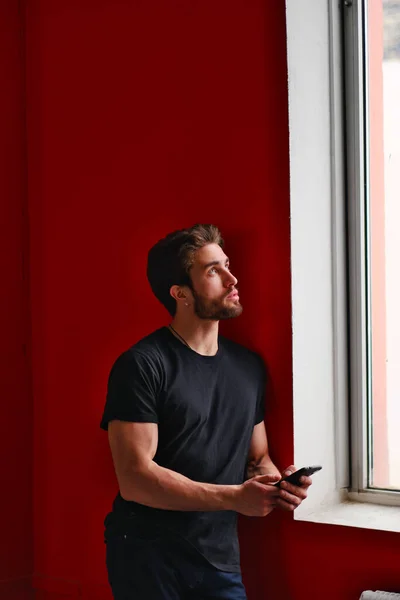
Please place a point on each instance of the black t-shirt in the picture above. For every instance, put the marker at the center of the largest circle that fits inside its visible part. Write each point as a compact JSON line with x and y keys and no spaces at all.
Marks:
{"x":206,"y":408}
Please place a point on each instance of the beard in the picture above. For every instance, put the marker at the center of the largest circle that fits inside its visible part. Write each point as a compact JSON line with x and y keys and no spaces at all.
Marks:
{"x":215,"y":310}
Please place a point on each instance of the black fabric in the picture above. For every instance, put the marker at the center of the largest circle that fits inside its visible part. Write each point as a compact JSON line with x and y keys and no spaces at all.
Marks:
{"x":206,"y":408}
{"x":143,"y":567}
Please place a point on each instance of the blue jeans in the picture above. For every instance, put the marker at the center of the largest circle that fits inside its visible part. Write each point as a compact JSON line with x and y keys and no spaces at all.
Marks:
{"x":145,"y":567}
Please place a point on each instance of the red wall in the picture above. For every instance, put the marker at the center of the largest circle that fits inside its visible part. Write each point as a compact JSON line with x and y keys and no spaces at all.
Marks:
{"x":144,"y":117}
{"x":16,"y":543}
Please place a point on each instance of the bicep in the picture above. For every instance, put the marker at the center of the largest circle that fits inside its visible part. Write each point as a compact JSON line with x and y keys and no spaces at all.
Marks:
{"x":258,"y":443}
{"x":133,"y":447}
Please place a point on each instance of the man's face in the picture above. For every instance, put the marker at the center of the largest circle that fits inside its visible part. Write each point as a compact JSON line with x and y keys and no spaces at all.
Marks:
{"x":215,"y":295}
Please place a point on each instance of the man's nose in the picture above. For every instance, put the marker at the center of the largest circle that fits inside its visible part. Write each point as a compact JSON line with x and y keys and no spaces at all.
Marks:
{"x":231,"y":280}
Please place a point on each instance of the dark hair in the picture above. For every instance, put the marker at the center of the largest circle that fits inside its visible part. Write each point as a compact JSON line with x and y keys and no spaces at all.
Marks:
{"x":169,"y":261}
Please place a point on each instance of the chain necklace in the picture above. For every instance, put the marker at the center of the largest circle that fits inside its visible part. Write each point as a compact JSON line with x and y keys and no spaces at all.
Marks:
{"x":179,"y":336}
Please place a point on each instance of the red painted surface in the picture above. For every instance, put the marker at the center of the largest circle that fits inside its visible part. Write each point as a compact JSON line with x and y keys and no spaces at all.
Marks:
{"x":16,"y":542}
{"x":144,"y":117}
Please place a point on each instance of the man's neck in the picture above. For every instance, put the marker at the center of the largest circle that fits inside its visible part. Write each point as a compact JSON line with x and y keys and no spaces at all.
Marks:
{"x":200,"y":335}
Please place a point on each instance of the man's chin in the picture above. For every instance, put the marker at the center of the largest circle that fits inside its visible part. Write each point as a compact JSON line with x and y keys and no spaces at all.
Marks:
{"x":232,"y":312}
{"x":222,"y":314}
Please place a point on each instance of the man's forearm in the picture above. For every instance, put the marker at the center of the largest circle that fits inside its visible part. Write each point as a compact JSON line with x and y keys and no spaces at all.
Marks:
{"x":264,"y":467}
{"x":162,"y":488}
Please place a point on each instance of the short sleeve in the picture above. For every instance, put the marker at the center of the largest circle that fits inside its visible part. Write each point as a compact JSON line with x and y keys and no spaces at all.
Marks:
{"x":261,"y":397}
{"x":132,"y":392}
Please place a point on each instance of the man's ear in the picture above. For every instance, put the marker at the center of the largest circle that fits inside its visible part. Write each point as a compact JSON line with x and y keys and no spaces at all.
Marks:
{"x":181,"y":295}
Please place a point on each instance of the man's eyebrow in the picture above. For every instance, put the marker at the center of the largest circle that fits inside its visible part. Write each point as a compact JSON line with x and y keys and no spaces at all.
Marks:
{"x":214,"y":263}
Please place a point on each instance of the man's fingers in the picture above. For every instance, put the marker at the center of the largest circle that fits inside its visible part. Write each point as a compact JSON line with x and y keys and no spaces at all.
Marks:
{"x":305,"y":481}
{"x":269,"y":478}
{"x":295,"y":499}
{"x":285,"y":505}
{"x":293,"y":490}
{"x":289,"y":470}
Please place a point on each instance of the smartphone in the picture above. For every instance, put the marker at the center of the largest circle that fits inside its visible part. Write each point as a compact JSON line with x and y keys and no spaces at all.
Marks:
{"x":294,"y":478}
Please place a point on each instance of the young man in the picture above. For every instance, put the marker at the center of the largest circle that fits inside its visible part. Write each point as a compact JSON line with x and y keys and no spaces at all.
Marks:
{"x":184,"y":414}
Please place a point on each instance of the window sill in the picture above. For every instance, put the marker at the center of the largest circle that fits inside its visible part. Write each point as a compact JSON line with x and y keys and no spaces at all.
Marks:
{"x":344,"y":511}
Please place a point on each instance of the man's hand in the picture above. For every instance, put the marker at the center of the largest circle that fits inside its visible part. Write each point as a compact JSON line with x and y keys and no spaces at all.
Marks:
{"x":257,"y":497}
{"x":291,"y":496}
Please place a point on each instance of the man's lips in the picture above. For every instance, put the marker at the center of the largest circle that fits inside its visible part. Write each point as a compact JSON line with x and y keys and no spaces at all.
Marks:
{"x":233,"y":295}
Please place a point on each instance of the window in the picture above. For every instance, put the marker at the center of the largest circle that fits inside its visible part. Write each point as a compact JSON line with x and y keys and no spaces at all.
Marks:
{"x":339,"y":233}
{"x":372,"y":87}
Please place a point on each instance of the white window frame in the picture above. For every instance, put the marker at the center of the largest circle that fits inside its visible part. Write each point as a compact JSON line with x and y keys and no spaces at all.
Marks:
{"x":319,"y":268}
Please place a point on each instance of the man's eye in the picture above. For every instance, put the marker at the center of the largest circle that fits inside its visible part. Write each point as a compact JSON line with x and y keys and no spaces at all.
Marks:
{"x":212,"y":271}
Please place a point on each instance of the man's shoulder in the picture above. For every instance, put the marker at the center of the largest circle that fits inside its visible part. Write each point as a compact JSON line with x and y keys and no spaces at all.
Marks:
{"x":154,"y":342}
{"x":147,"y":350}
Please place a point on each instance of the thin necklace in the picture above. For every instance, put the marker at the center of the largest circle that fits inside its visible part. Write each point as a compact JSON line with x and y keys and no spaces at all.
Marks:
{"x":179,"y":336}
